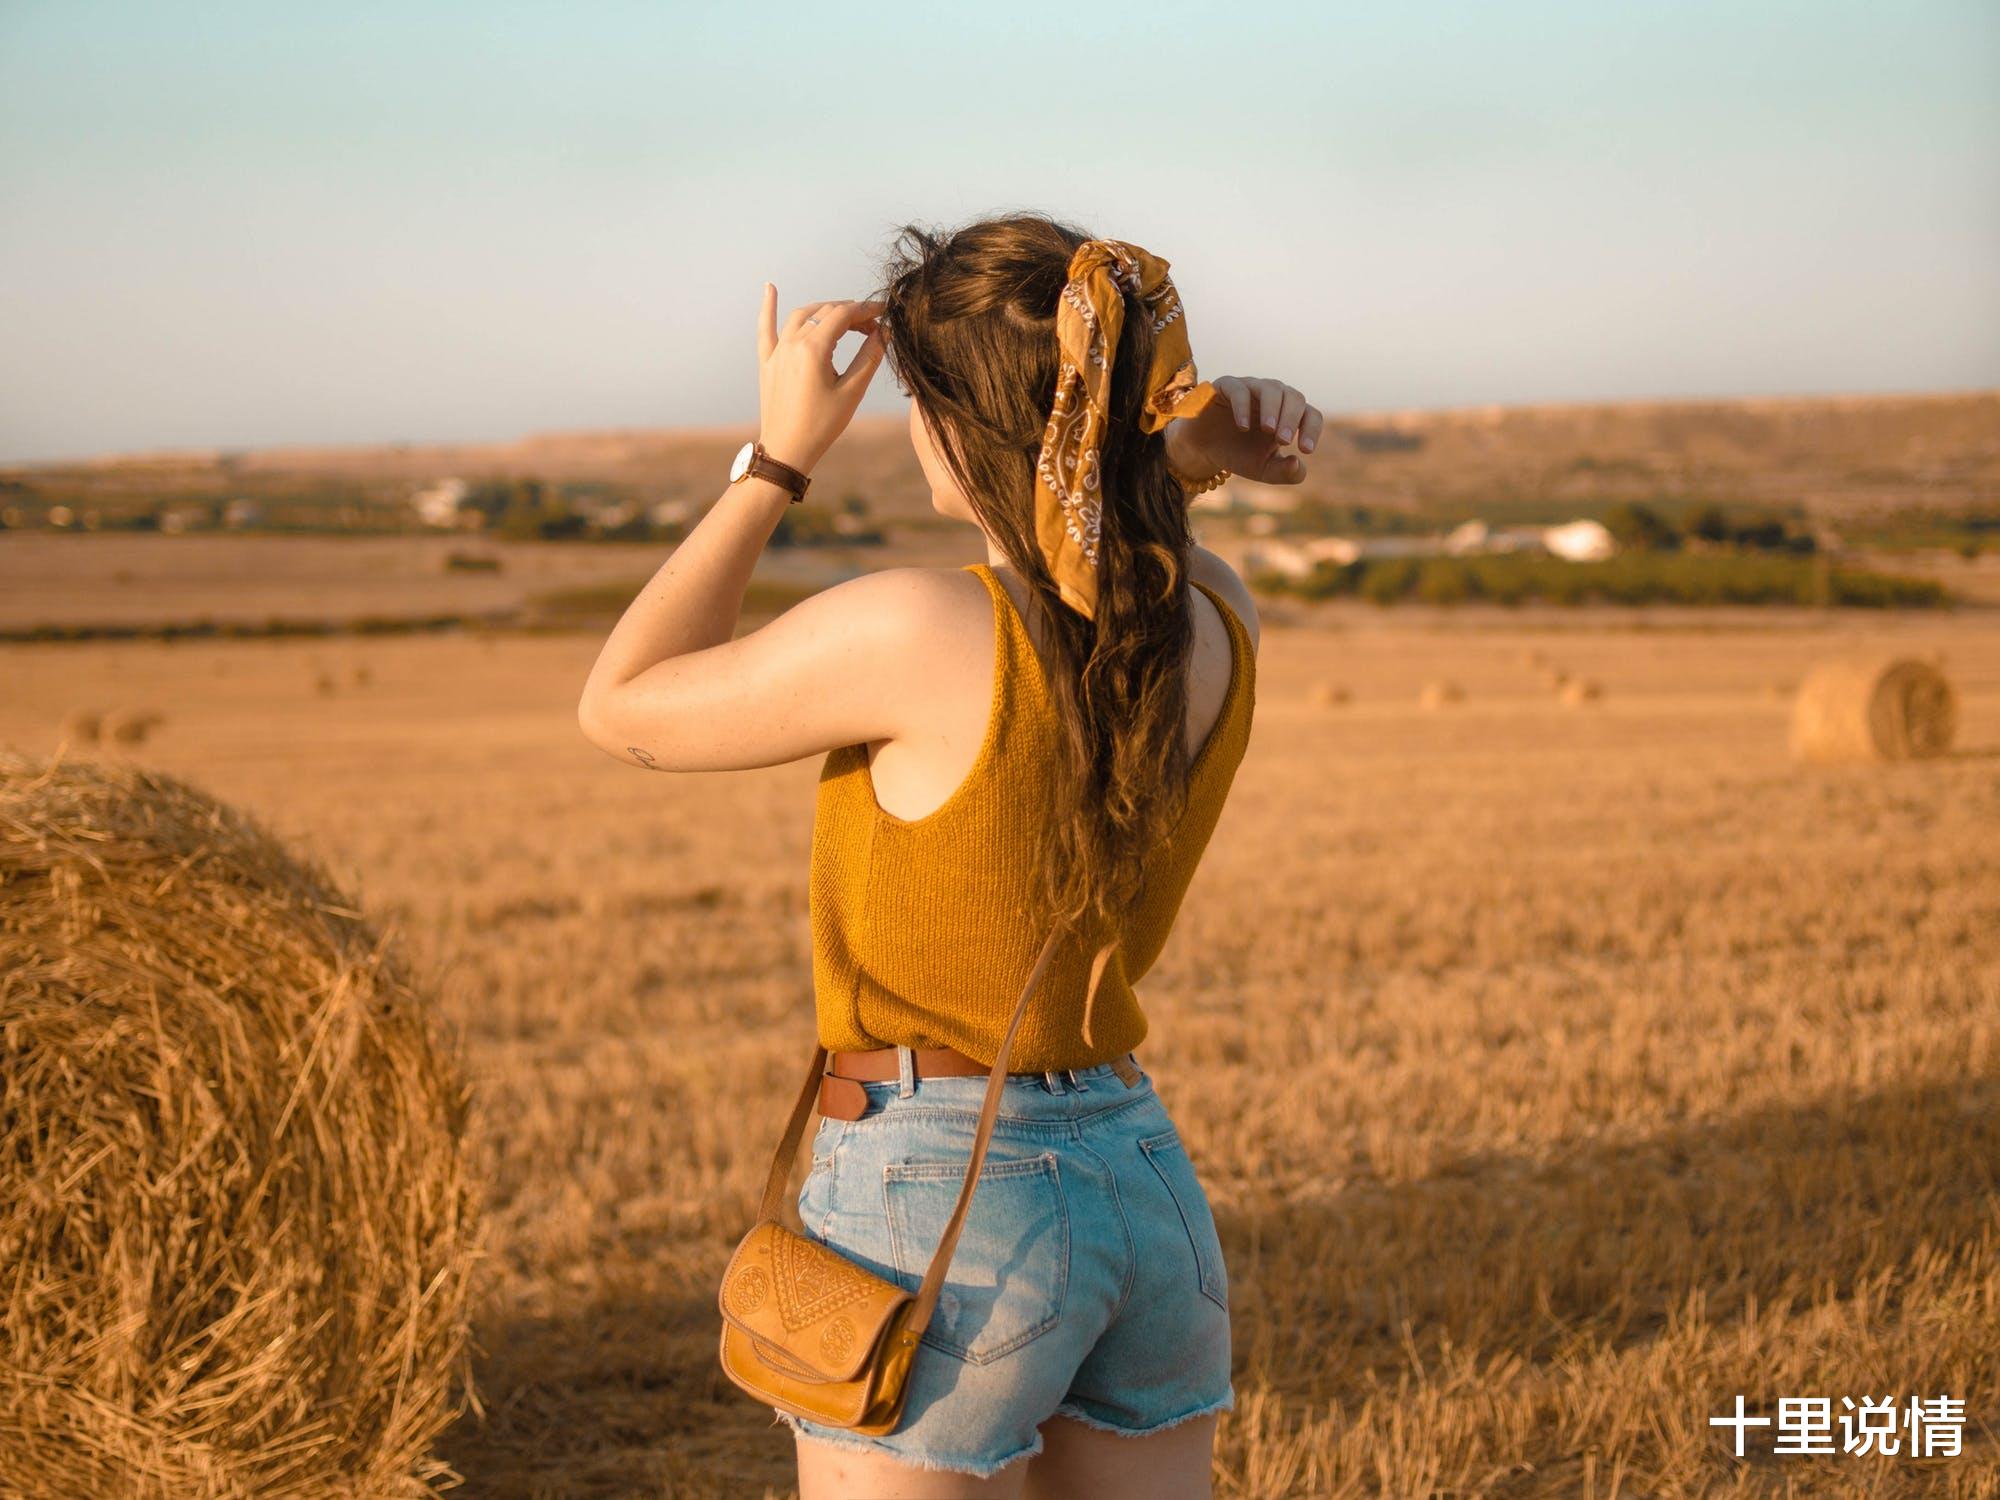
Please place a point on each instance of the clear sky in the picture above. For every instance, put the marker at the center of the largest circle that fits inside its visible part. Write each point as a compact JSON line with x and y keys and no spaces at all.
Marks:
{"x":239,"y":224}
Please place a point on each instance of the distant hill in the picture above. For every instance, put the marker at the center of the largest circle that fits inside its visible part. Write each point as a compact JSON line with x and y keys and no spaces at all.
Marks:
{"x":1826,"y":456}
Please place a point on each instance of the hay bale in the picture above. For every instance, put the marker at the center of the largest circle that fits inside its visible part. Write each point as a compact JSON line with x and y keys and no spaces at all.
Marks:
{"x":325,"y":684}
{"x":1579,"y":691}
{"x":1534,"y":658}
{"x":82,"y":725}
{"x":130,"y":726}
{"x":1329,"y":694}
{"x":361,"y":675}
{"x":1439,"y":694}
{"x":235,"y":1213}
{"x":1873,"y":709}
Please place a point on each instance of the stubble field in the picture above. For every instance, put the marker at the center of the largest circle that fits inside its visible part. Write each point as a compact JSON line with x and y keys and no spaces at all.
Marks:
{"x":1557,"y":1073}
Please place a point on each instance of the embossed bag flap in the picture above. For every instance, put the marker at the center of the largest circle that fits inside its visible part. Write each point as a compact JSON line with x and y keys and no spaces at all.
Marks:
{"x":813,"y":1312}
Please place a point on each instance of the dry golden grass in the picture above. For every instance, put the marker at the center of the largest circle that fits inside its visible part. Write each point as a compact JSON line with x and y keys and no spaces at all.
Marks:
{"x":1556,"y":1076}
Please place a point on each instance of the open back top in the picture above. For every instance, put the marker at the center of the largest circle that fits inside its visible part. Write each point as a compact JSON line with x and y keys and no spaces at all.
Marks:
{"x":925,"y":929}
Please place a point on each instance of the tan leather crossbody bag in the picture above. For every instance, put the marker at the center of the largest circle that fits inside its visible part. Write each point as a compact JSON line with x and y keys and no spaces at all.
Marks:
{"x":807,"y":1330}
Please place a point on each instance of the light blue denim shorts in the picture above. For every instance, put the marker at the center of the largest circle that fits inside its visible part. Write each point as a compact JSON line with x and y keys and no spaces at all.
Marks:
{"x":1088,"y":1279}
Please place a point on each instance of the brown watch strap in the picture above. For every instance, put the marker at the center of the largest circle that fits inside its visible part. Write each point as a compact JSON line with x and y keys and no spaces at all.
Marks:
{"x":763,"y":466}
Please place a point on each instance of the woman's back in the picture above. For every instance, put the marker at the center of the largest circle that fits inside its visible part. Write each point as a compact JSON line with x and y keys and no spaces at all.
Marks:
{"x":923,"y":928}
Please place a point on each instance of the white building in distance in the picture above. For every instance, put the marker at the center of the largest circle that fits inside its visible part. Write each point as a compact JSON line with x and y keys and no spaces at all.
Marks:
{"x":1580,"y":541}
{"x":438,"y":504}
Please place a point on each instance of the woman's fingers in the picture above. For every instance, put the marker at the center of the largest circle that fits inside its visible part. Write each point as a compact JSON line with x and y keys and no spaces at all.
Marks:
{"x":799,"y":315}
{"x":1270,"y":403}
{"x":1310,"y":427}
{"x":767,"y":322}
{"x":866,"y":359}
{"x":1291,"y":407}
{"x":1237,"y":394}
{"x":1283,"y":468}
{"x":837,"y":318}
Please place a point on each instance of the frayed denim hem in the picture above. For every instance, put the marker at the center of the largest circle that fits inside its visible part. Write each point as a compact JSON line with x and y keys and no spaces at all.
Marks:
{"x":1078,"y":1414}
{"x":979,"y":1468}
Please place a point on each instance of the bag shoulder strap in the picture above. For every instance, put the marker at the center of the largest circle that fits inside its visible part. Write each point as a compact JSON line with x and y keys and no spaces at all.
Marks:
{"x":795,"y":1129}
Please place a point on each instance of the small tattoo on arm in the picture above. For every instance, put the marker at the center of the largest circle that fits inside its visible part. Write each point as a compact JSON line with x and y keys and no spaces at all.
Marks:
{"x":643,"y":757}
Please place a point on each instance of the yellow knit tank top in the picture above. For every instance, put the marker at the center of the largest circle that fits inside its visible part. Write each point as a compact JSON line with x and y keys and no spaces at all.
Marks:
{"x":925,"y":929}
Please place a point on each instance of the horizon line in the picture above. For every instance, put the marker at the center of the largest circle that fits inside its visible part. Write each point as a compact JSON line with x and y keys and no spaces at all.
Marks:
{"x":724,"y":430}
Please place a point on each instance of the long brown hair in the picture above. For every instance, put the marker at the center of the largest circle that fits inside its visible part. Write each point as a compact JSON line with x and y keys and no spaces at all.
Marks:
{"x":970,"y":315}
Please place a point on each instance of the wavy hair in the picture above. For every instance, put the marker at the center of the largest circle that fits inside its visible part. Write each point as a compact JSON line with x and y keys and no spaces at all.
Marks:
{"x":971,"y":321}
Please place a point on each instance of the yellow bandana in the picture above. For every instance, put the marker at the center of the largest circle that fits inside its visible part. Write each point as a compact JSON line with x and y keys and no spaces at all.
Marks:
{"x":1089,"y":319}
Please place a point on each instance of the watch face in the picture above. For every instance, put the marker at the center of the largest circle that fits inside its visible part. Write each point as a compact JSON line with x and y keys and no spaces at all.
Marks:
{"x":742,"y":465}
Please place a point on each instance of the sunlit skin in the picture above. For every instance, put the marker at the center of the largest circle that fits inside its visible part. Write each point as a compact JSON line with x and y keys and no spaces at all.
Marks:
{"x":899,"y":659}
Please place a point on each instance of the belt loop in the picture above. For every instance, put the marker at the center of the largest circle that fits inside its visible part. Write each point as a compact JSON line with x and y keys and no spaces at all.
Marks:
{"x":906,"y":1071}
{"x":1077,"y":1083}
{"x":1051,"y":1081}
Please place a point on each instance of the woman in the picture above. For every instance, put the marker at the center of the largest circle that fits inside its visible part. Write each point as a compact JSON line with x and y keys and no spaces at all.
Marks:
{"x":1048,"y":740}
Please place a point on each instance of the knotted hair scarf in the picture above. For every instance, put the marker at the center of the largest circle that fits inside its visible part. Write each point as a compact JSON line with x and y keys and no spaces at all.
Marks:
{"x":1089,"y":319}
{"x":1068,"y":502}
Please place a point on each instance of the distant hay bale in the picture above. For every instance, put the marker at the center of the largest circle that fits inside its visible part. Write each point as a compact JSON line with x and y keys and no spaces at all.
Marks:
{"x":324,"y":684}
{"x":1439,"y":694}
{"x":1329,"y":694}
{"x":1873,"y":709}
{"x":1558,"y":678}
{"x":1533,"y":658}
{"x":129,"y":726}
{"x":1782,"y":687}
{"x":361,"y":674}
{"x":235,"y":1213}
{"x":82,"y":725}
{"x":1581,"y":690}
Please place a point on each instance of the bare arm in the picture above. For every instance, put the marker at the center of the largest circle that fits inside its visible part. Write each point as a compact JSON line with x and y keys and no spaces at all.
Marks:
{"x":1243,"y":433}
{"x":670,"y":689}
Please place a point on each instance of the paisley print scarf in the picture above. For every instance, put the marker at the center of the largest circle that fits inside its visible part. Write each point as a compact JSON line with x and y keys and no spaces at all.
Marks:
{"x":1089,"y":319}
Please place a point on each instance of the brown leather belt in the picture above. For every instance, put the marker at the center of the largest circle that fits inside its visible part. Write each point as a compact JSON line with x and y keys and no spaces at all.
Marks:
{"x":841,"y":1096}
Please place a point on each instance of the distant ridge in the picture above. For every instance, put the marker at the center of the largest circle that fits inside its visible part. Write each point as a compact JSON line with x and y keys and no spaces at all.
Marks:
{"x":1824,"y":454}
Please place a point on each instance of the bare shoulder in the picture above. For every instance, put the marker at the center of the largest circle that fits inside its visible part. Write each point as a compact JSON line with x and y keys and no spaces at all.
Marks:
{"x":902,"y":601}
{"x":1206,"y":567}
{"x":914,"y":621}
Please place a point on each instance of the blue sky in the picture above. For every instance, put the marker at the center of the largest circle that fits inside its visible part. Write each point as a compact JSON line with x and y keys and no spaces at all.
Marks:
{"x":254,"y":223}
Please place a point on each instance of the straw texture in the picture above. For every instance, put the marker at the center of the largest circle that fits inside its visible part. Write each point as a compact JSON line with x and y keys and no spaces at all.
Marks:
{"x":236,"y":1227}
{"x":1873,"y":709}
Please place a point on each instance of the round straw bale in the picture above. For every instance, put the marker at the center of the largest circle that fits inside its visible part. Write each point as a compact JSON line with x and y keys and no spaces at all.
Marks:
{"x":129,"y":726}
{"x":1329,"y":694}
{"x":324,"y":683}
{"x":1438,"y":694}
{"x":1873,"y":708}
{"x":1580,"y":690}
{"x":82,"y":725}
{"x":236,"y":1218}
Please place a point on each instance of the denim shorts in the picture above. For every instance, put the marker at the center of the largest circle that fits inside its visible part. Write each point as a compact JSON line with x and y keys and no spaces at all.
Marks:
{"x":1088,"y":1279}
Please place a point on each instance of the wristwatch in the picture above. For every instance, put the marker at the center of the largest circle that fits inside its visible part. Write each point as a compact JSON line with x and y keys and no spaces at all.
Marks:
{"x":753,"y":461}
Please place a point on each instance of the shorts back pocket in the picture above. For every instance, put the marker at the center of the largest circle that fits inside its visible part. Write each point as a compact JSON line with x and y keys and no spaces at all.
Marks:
{"x":1009,"y":1275}
{"x":1170,"y":1159}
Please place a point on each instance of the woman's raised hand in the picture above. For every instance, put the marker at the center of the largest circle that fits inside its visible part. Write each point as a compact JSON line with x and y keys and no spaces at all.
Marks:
{"x":1243,"y":431}
{"x":803,"y":404}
